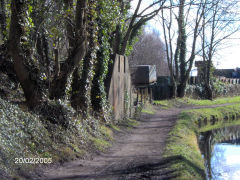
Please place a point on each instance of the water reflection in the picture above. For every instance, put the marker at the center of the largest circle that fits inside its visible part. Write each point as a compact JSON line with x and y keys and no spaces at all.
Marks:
{"x":221,"y":151}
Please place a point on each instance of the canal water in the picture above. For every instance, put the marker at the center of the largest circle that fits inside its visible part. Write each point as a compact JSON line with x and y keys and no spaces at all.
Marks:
{"x":221,"y":151}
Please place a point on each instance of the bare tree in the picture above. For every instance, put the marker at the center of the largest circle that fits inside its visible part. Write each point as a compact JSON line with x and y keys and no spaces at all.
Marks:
{"x":150,"y":50}
{"x":184,"y":40}
{"x":135,"y":22}
{"x":218,"y":24}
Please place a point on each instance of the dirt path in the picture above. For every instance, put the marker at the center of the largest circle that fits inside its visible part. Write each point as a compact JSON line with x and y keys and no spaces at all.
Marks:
{"x":136,"y":155}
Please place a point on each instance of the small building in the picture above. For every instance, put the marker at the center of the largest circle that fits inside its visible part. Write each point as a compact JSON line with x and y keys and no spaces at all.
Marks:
{"x":143,"y":74}
{"x":143,"y":77}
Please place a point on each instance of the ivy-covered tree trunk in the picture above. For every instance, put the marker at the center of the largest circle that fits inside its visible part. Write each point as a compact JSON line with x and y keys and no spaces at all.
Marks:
{"x":206,"y":64}
{"x":98,"y":92}
{"x":182,"y":49}
{"x":39,"y":36}
{"x":186,"y":66}
{"x":60,"y":82}
{"x":3,"y":19}
{"x":82,"y":79}
{"x":18,"y":53}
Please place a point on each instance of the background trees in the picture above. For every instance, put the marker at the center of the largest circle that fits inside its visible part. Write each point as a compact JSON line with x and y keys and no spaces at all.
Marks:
{"x":61,"y":50}
{"x":150,"y":50}
{"x":126,"y":33}
{"x":218,"y":24}
{"x":186,"y":19}
{"x":187,"y":25}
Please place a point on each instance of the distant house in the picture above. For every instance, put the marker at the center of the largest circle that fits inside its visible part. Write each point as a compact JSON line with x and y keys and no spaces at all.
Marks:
{"x":227,"y":73}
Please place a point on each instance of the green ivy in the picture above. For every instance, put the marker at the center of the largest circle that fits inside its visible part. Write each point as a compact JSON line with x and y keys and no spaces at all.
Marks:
{"x":108,"y":12}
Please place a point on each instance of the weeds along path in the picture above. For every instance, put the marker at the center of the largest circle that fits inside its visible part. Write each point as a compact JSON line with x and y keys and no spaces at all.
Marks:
{"x":134,"y":155}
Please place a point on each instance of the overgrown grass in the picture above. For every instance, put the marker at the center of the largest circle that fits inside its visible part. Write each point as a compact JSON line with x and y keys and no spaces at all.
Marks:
{"x":128,"y":123}
{"x":115,"y":127}
{"x":165,"y":104}
{"x":223,"y":100}
{"x":99,"y":143}
{"x":148,"y":109}
{"x":183,"y":141}
{"x":107,"y":132}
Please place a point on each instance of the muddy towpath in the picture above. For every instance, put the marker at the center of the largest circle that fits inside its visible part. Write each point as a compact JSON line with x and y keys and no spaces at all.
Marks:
{"x":134,"y":155}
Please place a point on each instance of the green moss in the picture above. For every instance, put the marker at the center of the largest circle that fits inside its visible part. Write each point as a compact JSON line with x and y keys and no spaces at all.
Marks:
{"x":116,"y":128}
{"x":67,"y":154}
{"x":99,"y":144}
{"x":165,"y":104}
{"x":129,"y":123}
{"x":148,"y":108}
{"x":107,"y":132}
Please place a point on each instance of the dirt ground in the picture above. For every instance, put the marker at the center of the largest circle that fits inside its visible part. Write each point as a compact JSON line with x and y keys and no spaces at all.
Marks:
{"x":134,"y":155}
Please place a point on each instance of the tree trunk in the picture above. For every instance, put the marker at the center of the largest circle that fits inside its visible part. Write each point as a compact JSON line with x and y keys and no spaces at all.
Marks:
{"x":182,"y":49}
{"x":30,"y":88}
{"x":181,"y":89}
{"x":68,"y":4}
{"x":174,"y":90}
{"x":60,"y":82}
{"x":209,"y":91}
{"x":116,"y":41}
{"x":98,"y":92}
{"x":81,"y":86}
{"x":3,"y":19}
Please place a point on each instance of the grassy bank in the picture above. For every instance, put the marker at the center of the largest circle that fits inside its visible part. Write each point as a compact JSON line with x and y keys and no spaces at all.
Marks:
{"x":224,"y":100}
{"x":183,"y":139}
{"x":179,"y":101}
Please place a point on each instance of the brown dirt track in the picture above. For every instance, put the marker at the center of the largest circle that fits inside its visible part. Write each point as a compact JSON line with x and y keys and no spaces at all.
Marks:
{"x":134,"y":155}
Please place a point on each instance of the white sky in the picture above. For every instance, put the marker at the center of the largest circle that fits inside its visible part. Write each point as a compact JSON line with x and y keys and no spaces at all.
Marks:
{"x":228,"y":57}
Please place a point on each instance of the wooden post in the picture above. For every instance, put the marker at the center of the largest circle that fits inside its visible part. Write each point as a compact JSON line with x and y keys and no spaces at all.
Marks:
{"x":151,"y":95}
{"x":137,"y":95}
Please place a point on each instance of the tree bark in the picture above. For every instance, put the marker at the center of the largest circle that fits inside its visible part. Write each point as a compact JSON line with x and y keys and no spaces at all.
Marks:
{"x":30,"y":88}
{"x":182,"y":49}
{"x":81,"y":86}
{"x":186,"y":66}
{"x":68,"y":4}
{"x":76,"y":55}
{"x":3,"y":19}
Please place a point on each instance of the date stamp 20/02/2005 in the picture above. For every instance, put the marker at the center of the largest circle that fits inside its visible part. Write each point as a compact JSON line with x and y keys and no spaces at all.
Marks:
{"x":32,"y":160}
